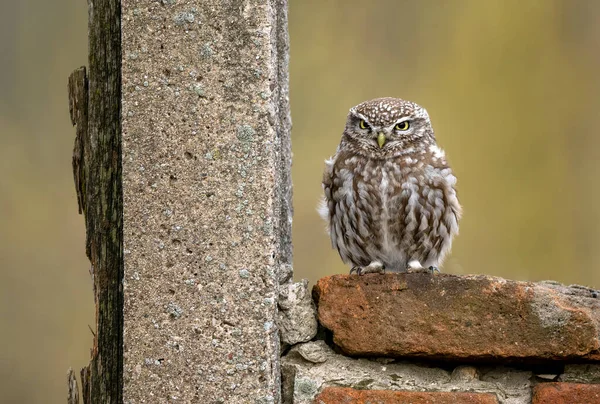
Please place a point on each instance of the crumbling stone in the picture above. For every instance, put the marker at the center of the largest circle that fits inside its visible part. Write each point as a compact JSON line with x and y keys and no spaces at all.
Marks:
{"x":581,"y":373}
{"x":314,"y":351}
{"x":297,"y":318}
{"x":465,"y":373}
{"x":459,"y":317}
{"x":304,"y":378}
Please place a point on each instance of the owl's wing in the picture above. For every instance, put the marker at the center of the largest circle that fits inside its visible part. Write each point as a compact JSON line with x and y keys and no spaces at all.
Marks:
{"x":326,"y":205}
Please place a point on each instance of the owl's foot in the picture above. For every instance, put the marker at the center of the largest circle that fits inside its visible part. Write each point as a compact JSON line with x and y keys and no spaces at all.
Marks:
{"x":374,"y":267}
{"x":415,"y":267}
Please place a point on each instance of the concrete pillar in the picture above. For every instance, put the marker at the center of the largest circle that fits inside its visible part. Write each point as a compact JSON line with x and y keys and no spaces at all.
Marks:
{"x":206,"y":196}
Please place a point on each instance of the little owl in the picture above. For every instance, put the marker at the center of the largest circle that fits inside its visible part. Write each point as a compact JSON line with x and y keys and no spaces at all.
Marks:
{"x":390,"y":201}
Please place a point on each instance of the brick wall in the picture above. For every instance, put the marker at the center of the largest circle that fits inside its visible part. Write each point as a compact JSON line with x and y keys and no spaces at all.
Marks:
{"x":422,"y":338}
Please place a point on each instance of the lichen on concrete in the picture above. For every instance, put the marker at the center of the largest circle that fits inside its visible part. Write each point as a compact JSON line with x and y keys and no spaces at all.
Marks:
{"x":549,"y":311}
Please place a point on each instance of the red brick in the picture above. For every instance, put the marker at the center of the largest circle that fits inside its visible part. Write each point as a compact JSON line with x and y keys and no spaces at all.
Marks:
{"x":446,"y":316}
{"x":343,"y":395}
{"x":566,"y":393}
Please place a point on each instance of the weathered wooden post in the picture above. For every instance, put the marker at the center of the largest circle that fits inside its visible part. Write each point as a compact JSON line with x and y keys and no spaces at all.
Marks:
{"x":182,"y":166}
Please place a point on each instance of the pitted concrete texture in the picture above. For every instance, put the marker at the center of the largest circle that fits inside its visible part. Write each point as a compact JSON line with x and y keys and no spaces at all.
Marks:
{"x":310,"y":368}
{"x":478,"y":318}
{"x":206,"y":198}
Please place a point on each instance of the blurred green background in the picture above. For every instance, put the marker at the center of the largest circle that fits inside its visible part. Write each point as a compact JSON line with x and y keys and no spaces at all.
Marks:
{"x":512,"y":87}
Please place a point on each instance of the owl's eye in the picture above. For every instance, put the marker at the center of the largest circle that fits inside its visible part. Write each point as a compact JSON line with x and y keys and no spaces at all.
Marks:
{"x":402,"y":125}
{"x":363,"y":124}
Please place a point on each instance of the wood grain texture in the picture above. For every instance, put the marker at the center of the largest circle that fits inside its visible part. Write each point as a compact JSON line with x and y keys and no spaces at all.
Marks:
{"x":95,"y":106}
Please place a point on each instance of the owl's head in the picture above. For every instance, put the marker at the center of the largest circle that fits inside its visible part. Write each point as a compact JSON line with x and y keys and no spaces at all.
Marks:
{"x":387,"y":127}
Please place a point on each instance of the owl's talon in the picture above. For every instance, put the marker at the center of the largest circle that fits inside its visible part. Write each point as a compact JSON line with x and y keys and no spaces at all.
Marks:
{"x":374,"y":267}
{"x":417,"y":271}
{"x":420,"y":270}
{"x":414,"y":266}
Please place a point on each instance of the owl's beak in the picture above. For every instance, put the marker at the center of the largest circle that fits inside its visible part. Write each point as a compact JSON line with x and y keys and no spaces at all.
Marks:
{"x":381,"y":139}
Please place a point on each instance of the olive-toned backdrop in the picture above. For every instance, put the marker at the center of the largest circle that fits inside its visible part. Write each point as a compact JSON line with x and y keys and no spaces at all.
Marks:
{"x":512,"y":87}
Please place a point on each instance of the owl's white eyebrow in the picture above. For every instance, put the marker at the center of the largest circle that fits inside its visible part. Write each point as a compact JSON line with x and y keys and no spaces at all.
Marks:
{"x":360,"y":116}
{"x":406,"y":118}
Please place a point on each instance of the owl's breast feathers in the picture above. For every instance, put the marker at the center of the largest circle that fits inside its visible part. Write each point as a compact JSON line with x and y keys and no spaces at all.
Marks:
{"x":394,"y":210}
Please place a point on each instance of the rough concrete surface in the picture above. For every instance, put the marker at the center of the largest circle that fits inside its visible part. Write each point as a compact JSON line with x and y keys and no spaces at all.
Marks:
{"x":297,"y":320}
{"x":309,"y":368}
{"x":453,"y":317}
{"x":206,"y":188}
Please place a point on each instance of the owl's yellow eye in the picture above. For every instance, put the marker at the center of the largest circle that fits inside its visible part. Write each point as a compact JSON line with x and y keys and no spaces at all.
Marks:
{"x":363,"y":124}
{"x":402,"y":125}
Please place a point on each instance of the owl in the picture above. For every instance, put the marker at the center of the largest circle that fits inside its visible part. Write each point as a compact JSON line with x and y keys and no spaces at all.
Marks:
{"x":390,"y":201}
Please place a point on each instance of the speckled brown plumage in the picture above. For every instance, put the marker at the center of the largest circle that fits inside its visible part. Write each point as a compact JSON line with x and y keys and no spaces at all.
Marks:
{"x":390,"y":201}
